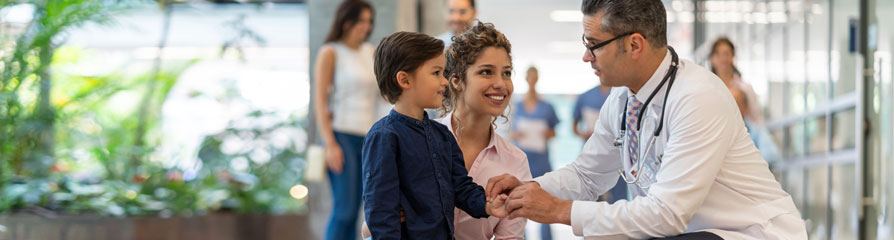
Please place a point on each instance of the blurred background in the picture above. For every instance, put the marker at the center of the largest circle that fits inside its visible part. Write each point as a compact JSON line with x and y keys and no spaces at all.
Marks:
{"x":192,"y":119}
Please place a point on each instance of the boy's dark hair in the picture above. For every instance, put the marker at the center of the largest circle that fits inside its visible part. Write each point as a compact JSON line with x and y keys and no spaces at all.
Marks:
{"x":402,"y":51}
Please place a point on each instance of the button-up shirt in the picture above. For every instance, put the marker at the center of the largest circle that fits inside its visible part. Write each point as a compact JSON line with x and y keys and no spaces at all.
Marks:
{"x":499,"y":157}
{"x":709,"y":175}
{"x":415,"y":165}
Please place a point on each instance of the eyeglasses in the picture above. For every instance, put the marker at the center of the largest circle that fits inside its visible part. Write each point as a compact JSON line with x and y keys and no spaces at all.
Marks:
{"x":602,"y":44}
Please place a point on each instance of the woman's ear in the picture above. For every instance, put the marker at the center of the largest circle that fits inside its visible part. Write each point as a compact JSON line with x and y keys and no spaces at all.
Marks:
{"x":456,"y":84}
{"x":403,"y":79}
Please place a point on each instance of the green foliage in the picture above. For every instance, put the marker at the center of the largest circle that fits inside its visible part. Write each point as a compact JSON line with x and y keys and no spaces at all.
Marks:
{"x":261,"y":163}
{"x":56,"y":125}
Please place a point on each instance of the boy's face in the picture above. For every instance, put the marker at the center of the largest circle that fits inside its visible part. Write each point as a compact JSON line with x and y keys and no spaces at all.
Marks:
{"x":427,"y":83}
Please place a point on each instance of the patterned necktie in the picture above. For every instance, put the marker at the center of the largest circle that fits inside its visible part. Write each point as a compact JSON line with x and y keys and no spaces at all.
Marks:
{"x":633,"y":108}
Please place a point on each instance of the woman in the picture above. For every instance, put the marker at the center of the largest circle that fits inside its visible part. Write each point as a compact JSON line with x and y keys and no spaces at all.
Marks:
{"x":346,"y":98}
{"x":534,"y":124}
{"x":722,"y":56}
{"x":479,"y":71}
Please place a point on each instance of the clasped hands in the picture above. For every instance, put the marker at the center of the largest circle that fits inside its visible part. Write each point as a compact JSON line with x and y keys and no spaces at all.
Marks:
{"x":509,"y":197}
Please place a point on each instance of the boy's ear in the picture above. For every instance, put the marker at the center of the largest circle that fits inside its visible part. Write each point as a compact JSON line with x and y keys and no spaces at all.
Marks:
{"x":403,"y":79}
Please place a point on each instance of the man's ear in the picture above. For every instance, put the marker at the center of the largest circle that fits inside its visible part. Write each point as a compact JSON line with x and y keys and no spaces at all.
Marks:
{"x":403,"y":79}
{"x":637,"y":45}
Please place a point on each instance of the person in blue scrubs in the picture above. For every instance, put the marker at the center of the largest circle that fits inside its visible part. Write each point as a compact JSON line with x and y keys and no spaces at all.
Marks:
{"x":586,"y":112}
{"x":534,"y":124}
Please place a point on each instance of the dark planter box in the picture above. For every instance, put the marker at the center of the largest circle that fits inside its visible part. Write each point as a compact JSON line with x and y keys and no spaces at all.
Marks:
{"x":217,"y":226}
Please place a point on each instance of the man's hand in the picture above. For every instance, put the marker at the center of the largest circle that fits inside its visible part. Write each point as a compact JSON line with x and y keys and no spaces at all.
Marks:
{"x":497,"y":207}
{"x":502,"y":184}
{"x":532,"y":202}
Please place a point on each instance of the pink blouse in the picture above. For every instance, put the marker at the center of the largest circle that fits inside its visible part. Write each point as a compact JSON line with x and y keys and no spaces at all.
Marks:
{"x":499,"y":157}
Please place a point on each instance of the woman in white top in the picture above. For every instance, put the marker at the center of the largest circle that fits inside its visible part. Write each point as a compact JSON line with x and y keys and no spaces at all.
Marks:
{"x":345,"y":102}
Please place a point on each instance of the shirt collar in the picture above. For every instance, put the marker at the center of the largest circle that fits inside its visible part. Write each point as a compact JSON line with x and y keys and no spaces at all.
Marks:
{"x":446,"y":120}
{"x":409,"y":120}
{"x":653,"y":81}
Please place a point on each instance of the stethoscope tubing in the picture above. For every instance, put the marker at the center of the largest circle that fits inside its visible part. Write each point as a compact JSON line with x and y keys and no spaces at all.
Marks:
{"x":622,"y":133}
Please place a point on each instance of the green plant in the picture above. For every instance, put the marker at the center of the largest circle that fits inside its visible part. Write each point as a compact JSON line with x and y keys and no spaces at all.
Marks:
{"x":27,"y":117}
{"x":261,"y":162}
{"x":55,"y":126}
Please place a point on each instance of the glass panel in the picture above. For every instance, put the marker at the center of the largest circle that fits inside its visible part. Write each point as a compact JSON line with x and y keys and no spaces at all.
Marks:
{"x":844,"y":61}
{"x":817,"y":73}
{"x":817,"y":204}
{"x":788,"y":148}
{"x":884,"y":66}
{"x":817,"y":136}
{"x":795,"y":57}
{"x":775,"y":64}
{"x":844,"y":132}
{"x":843,"y":202}
{"x":794,"y":185}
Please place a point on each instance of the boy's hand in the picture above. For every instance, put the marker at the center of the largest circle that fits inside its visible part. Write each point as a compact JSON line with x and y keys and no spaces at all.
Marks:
{"x":496,"y":207}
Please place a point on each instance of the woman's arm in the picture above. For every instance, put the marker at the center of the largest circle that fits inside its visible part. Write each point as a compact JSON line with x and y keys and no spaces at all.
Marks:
{"x":514,"y":228}
{"x":324,"y":69}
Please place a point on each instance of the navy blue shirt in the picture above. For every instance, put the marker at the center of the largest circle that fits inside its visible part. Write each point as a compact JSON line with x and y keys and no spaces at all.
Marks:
{"x":415,"y":165}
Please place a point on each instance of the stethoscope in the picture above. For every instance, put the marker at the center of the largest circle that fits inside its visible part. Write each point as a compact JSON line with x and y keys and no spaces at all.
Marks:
{"x":622,"y":134}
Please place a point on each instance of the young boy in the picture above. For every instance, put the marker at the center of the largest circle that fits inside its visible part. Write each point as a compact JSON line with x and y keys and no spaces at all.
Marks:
{"x":412,"y":165}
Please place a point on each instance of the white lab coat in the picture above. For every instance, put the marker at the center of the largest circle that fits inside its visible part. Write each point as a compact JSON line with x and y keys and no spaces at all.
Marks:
{"x":711,"y":178}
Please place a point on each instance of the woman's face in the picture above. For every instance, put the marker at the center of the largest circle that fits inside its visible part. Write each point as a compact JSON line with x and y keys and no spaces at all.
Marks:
{"x":488,"y":86}
{"x":722,"y":59}
{"x":361,"y":28}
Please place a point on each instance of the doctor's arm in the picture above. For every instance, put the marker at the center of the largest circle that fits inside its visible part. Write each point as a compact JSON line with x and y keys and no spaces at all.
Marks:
{"x":593,"y":173}
{"x":698,"y":140}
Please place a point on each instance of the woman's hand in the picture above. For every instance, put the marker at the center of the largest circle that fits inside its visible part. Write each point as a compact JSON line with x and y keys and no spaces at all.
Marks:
{"x":334,"y":158}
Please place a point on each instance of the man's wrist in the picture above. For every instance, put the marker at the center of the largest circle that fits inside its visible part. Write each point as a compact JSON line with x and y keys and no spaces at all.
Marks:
{"x":532,"y":181}
{"x":564,"y":213}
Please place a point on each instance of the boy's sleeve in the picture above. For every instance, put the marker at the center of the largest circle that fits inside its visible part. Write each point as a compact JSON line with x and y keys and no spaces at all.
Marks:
{"x":468,"y":195}
{"x":381,"y":186}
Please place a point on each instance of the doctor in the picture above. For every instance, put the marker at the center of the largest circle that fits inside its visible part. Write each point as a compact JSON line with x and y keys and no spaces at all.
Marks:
{"x":673,"y":131}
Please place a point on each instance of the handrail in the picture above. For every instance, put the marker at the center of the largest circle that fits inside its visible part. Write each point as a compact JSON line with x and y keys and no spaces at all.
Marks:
{"x":839,"y":104}
{"x":831,"y":158}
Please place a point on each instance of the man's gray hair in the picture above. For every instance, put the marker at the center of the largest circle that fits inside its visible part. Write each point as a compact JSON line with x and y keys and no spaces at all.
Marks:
{"x":646,"y":17}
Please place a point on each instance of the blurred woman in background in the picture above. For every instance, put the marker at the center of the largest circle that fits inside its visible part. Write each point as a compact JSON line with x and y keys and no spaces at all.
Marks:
{"x":722,"y":56}
{"x":345,"y":102}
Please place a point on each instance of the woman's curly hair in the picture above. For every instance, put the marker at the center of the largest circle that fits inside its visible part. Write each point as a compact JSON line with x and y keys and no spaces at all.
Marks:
{"x":464,"y":51}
